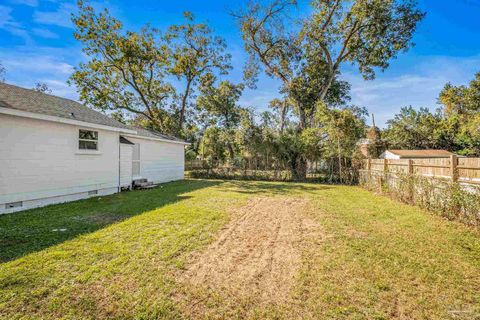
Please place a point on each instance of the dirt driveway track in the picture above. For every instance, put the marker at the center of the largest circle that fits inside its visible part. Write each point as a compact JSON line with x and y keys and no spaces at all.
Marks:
{"x":255,"y":258}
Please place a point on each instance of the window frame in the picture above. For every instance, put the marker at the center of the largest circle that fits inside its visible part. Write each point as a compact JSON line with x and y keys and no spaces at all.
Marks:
{"x":96,"y":141}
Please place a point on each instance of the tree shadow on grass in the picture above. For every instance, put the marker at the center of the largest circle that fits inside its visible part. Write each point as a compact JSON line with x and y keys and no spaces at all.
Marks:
{"x":33,"y":230}
{"x":275,"y":188}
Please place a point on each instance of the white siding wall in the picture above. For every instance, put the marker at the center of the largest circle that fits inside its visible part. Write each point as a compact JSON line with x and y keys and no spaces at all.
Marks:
{"x":125,"y":165}
{"x":40,"y":160}
{"x":160,"y":161}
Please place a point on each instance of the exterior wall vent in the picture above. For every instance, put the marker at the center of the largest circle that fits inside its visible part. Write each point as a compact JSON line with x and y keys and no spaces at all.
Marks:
{"x":93,"y":192}
{"x":13,"y":205}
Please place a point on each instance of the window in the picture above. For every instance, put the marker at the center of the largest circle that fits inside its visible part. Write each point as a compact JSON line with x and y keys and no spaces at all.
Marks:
{"x":88,"y":140}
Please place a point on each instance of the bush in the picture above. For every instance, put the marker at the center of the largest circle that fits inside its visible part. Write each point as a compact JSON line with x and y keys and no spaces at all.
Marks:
{"x":454,"y":201}
{"x":230,"y":173}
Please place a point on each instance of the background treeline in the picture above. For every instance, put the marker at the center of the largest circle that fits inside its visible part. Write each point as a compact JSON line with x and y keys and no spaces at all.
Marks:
{"x":454,"y":126}
{"x":176,"y":80}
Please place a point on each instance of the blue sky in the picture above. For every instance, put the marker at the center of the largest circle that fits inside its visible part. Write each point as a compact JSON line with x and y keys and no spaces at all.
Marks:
{"x":37,"y":45}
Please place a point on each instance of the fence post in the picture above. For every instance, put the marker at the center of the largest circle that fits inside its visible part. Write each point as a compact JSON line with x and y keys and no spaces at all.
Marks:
{"x":385,"y":172}
{"x":410,"y":167}
{"x":453,"y":168}
{"x":369,"y":173}
{"x":411,"y":183}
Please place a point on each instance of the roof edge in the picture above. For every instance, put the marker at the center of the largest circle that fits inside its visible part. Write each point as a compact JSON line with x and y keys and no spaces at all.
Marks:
{"x":38,"y":116}
{"x":136,"y":135}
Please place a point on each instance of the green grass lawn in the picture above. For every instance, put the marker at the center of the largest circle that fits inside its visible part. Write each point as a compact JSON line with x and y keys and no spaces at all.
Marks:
{"x":120,"y":257}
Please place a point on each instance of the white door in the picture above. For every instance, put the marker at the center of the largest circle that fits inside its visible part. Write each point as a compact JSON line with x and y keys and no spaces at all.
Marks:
{"x":125,"y":164}
{"x":136,"y":161}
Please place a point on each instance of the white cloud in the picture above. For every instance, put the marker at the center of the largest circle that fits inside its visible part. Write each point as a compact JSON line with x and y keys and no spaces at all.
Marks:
{"x":259,"y":99}
{"x":27,"y":65}
{"x":31,"y":3}
{"x":60,"y":17}
{"x":32,"y":64}
{"x":9,"y":24}
{"x":418,"y":86}
{"x":44,"y":33}
{"x":61,"y":89}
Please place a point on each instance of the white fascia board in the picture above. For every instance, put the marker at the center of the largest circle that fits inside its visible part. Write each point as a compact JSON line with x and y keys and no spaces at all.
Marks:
{"x":31,"y":115}
{"x":135,"y":136}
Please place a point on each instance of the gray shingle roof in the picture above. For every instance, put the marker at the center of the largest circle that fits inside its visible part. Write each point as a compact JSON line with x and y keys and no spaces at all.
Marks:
{"x":28,"y":100}
{"x":32,"y":101}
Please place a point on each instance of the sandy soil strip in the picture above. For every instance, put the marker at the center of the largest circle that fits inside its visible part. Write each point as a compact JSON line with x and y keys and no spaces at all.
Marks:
{"x":257,"y":255}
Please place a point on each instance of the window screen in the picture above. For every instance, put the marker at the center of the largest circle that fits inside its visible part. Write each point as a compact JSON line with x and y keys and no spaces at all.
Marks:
{"x":87,"y":140}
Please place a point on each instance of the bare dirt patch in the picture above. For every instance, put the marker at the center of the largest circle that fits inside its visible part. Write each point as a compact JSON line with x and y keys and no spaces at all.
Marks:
{"x":254,"y":261}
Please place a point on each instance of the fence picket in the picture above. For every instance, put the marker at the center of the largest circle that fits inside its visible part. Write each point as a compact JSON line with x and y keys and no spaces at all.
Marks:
{"x":465,"y":170}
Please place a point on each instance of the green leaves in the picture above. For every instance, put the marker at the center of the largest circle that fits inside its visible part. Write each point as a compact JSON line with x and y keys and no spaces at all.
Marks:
{"x":307,"y":56}
{"x":463,"y":100}
{"x":196,"y":52}
{"x":421,"y":129}
{"x":218,"y":105}
{"x":126,"y":71}
{"x":131,"y":72}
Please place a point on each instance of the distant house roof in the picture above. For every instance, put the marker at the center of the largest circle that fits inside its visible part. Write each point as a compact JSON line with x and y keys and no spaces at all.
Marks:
{"x":14,"y":97}
{"x":431,"y":153}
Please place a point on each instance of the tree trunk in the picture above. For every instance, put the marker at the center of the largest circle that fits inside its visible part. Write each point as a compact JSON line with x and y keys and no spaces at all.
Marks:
{"x":302,"y":121}
{"x":230,"y":151}
{"x":283,"y":115}
{"x":339,"y":160}
{"x":323,"y":95}
{"x":299,"y":168}
{"x":184,"y":105}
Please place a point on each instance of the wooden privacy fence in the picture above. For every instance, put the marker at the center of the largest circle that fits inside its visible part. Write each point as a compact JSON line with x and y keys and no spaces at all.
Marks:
{"x":195,"y":164}
{"x":456,"y":169}
{"x":448,"y":186}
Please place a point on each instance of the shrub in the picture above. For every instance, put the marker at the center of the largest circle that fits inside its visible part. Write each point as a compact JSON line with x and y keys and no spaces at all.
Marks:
{"x":454,"y":201}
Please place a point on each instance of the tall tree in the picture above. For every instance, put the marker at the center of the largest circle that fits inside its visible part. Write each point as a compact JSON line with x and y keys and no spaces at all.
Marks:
{"x":463,"y":100}
{"x":412,"y":129}
{"x":126,"y":70}
{"x":342,"y":130}
{"x":220,"y":103}
{"x":212,"y":147}
{"x":307,"y":58}
{"x":196,"y":52}
{"x":281,"y":108}
{"x":248,"y":136}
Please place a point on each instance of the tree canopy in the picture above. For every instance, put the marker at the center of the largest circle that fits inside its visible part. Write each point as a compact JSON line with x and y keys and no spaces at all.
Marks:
{"x":454,"y":127}
{"x":307,"y":58}
{"x":196,"y":52}
{"x":130,"y":72}
{"x":175,"y":81}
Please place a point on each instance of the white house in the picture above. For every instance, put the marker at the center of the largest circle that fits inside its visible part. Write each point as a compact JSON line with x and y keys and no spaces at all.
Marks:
{"x":415,"y":154}
{"x":55,"y":150}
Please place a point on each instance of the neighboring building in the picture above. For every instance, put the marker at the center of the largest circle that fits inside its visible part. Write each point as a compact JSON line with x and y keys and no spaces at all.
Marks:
{"x":372,"y":145}
{"x":56,"y":150}
{"x":363,"y":146}
{"x":415,"y":154}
